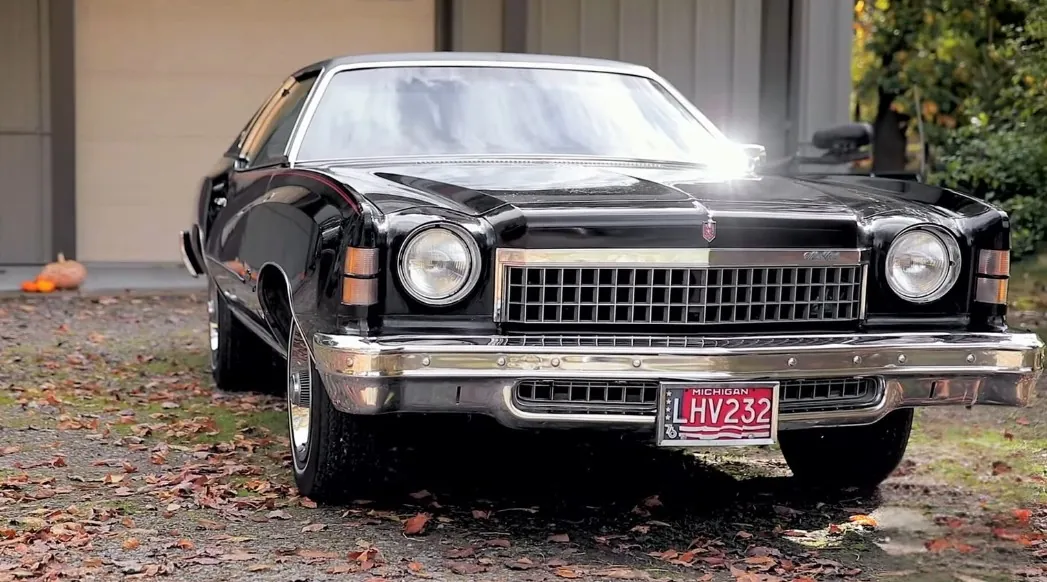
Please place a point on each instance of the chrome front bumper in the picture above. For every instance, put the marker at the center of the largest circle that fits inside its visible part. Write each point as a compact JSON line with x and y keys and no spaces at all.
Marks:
{"x":477,"y":374}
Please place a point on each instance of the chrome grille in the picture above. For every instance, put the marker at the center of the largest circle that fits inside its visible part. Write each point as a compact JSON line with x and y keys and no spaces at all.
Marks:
{"x":641,"y":396}
{"x":671,"y":295}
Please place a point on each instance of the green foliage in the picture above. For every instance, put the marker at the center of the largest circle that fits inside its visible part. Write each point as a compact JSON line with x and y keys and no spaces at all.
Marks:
{"x":980,"y":70}
{"x":1028,"y":216}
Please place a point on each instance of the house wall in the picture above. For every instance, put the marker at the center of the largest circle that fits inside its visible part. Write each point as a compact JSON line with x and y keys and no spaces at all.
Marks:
{"x":765,"y":71}
{"x":25,"y":132}
{"x":163,"y":87}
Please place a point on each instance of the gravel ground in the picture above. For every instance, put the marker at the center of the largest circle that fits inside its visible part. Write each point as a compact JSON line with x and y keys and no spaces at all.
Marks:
{"x":118,"y":459}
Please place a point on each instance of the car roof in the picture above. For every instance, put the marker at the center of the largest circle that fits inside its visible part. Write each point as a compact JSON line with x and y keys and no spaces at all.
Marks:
{"x":509,"y":59}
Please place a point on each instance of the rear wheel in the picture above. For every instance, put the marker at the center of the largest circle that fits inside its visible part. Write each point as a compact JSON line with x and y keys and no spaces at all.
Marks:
{"x":860,"y":456}
{"x":335,"y":455}
{"x":240,"y":360}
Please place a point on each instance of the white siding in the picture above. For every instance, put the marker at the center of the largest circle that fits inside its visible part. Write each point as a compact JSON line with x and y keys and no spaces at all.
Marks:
{"x":708,"y":49}
{"x":163,"y":86}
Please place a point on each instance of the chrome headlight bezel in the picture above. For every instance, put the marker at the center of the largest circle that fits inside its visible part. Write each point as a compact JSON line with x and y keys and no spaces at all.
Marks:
{"x":952,"y":250}
{"x":467,"y":286}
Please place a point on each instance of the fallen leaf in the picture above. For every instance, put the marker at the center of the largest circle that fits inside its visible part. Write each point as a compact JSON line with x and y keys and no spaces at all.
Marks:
{"x":1008,"y":435}
{"x":415,"y":525}
{"x":461,"y":553}
{"x":238,"y":557}
{"x":498,"y":543}
{"x":317,"y":555}
{"x":559,"y":538}
{"x":524,"y":563}
{"x":744,"y":535}
{"x":278,"y":514}
{"x":999,"y":468}
{"x":1022,"y":515}
{"x":480,"y":514}
{"x":306,"y":502}
{"x":420,"y":494}
{"x":623,"y":574}
{"x":259,"y":567}
{"x":467,"y":568}
{"x":314,"y":527}
{"x":652,"y":502}
{"x":567,"y":573}
{"x":863,"y":520}
{"x":1022,"y":421}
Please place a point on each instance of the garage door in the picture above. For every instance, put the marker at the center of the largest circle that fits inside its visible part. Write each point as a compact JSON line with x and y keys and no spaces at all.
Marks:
{"x":164,"y":85}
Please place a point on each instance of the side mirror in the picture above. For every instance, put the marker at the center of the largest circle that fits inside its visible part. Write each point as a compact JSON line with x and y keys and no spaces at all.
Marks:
{"x":756,"y":153}
{"x":843,"y":138}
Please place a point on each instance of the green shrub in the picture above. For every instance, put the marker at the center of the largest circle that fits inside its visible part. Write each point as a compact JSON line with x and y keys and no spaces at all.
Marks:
{"x":1028,"y":216}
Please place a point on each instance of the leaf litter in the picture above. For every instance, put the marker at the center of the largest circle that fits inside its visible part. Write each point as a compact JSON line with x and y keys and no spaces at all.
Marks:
{"x":197,"y":464}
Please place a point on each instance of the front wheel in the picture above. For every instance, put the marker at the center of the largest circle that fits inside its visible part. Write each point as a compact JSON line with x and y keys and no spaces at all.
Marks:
{"x":334,"y":455}
{"x":861,"y":457}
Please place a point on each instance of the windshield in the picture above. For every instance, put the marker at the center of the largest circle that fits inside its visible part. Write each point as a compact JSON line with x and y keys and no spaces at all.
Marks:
{"x":440,"y":111}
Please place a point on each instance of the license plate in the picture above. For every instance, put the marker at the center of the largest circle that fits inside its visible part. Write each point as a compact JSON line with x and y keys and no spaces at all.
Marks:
{"x":701,"y":414}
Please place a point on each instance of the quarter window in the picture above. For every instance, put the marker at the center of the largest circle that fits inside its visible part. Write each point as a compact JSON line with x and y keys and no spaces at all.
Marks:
{"x":268,"y":139}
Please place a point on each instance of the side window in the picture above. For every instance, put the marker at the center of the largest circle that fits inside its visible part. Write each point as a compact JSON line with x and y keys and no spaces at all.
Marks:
{"x":266,"y":141}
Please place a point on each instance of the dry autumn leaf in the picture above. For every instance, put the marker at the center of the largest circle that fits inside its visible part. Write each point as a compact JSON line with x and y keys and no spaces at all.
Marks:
{"x":863,"y":520}
{"x":130,"y":544}
{"x":567,"y":572}
{"x":999,"y":468}
{"x":622,"y":574}
{"x":559,"y":538}
{"x":416,"y":524}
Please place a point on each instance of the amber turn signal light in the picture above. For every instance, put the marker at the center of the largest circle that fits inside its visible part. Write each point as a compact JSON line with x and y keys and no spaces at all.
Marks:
{"x":361,"y":262}
{"x":991,"y":291}
{"x":359,"y":291}
{"x":994,"y":263}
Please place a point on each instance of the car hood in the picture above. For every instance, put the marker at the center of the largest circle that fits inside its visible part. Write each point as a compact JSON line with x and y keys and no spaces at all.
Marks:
{"x":542,"y":204}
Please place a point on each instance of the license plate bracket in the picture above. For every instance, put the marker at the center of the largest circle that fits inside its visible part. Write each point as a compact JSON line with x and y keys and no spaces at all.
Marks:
{"x":704,"y":414}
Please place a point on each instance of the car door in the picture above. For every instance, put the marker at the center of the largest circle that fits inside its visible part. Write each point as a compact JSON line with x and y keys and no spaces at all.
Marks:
{"x":261,"y":152}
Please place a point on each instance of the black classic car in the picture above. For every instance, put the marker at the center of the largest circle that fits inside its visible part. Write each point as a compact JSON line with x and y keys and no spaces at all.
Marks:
{"x":569,"y":243}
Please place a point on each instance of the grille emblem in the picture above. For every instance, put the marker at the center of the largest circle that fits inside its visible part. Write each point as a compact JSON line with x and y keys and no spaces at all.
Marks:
{"x":709,"y":230}
{"x":821,"y":255}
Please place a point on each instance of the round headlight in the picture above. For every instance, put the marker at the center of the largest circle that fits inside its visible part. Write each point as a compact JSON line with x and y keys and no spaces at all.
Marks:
{"x":923,"y":264}
{"x":439,"y":265}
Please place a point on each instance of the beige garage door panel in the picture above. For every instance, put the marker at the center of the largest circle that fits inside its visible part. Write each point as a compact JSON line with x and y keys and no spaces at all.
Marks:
{"x":164,"y":85}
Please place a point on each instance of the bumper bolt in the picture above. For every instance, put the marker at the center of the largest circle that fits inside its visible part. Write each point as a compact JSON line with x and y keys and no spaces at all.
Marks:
{"x":856,"y":360}
{"x":426,"y":361}
{"x":901,"y":358}
{"x":970,"y":358}
{"x":501,"y":361}
{"x":636,"y":363}
{"x":555,"y":362}
{"x":791,"y":362}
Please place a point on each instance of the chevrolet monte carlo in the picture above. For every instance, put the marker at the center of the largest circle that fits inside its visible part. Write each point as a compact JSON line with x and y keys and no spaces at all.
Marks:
{"x":564,"y":243}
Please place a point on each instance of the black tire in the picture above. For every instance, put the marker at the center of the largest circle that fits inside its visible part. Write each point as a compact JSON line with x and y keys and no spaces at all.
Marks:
{"x":347,"y":456}
{"x":240,"y":360}
{"x":859,"y":457}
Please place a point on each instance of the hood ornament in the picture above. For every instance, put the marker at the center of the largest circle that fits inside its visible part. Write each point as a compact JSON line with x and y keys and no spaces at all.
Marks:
{"x":709,"y":230}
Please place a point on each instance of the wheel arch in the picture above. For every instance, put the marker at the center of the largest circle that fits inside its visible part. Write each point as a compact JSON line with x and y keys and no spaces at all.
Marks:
{"x":274,"y":297}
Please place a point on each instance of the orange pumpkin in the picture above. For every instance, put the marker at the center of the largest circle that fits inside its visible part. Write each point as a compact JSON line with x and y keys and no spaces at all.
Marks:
{"x":45,"y":286}
{"x":64,"y":274}
{"x":29,"y":286}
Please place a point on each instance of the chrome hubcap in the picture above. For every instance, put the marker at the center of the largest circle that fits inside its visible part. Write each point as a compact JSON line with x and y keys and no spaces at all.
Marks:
{"x":299,"y":395}
{"x":212,"y":323}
